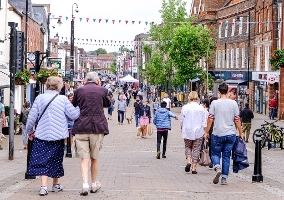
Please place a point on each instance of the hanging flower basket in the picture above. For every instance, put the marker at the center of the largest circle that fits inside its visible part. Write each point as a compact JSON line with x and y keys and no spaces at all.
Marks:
{"x":19,"y":81}
{"x":43,"y":80}
{"x":43,"y":74}
{"x":22,"y":78}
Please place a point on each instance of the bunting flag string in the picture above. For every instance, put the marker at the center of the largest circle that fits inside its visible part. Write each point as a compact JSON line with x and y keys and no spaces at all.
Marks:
{"x":99,"y":20}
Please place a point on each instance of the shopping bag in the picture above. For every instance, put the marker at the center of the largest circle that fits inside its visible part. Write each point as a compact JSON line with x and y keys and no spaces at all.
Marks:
{"x":138,"y":131}
{"x":149,"y":130}
{"x":204,"y":155}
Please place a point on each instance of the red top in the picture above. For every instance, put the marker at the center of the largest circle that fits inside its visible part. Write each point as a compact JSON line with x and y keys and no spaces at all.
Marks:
{"x":273,"y":103}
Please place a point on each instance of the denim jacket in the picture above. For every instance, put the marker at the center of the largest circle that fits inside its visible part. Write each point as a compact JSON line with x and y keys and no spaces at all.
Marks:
{"x":147,"y":109}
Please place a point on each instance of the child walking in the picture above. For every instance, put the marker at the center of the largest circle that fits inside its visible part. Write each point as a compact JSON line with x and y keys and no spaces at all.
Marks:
{"x":162,"y":120}
{"x":121,"y":109}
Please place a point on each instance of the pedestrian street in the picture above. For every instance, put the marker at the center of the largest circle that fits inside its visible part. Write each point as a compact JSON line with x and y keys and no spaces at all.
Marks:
{"x":129,"y":170}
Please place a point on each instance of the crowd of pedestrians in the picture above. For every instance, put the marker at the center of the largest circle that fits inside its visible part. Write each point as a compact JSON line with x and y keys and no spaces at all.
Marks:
{"x":212,"y":122}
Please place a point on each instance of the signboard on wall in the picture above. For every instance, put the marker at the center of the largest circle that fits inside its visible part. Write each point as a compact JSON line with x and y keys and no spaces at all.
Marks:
{"x":231,"y":75}
{"x":270,"y":77}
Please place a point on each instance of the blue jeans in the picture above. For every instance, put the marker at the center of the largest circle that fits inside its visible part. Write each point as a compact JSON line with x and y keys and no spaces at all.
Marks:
{"x":136,"y":119}
{"x":224,"y":145}
{"x":272,"y":113}
{"x":120,"y":116}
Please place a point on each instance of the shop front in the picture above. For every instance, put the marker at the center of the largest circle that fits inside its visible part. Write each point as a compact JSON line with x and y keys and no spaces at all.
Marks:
{"x":266,"y":87}
{"x":236,"y":80}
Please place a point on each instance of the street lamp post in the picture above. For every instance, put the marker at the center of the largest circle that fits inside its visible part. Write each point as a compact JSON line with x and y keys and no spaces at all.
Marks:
{"x":131,"y":56}
{"x":72,"y":42}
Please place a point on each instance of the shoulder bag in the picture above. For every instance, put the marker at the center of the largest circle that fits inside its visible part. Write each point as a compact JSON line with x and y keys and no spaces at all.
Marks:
{"x":204,"y":155}
{"x":45,"y":109}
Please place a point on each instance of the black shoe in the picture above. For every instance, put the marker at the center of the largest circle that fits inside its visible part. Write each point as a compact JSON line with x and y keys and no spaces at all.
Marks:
{"x":158,"y":155}
{"x":187,"y":167}
{"x":194,"y":172}
{"x":164,"y":156}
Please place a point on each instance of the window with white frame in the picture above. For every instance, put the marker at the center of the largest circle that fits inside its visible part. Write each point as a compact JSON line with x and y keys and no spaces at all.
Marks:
{"x":243,"y":57}
{"x":237,"y":57}
{"x":268,"y":20}
{"x":216,"y":62}
{"x":241,"y":26}
{"x":266,"y":57}
{"x":194,"y":10}
{"x":248,"y":24}
{"x":258,"y":51}
{"x":226,"y":29}
{"x":220,"y":29}
{"x":228,"y":59}
{"x":259,"y":23}
{"x":233,"y":27}
{"x":232,"y":58}
{"x":223,"y":59}
{"x":220,"y":58}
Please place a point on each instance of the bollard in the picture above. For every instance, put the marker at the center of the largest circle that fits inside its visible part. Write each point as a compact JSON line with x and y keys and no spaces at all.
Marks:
{"x":257,"y":172}
{"x":69,"y":152}
{"x":29,"y":150}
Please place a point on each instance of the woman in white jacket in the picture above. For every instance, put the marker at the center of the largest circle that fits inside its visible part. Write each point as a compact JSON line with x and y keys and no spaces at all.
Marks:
{"x":193,"y":122}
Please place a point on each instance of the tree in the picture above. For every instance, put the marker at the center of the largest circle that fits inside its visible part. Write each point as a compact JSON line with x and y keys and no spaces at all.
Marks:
{"x":189,"y":44}
{"x":113,"y":67}
{"x":123,"y":49}
{"x":100,"y":51}
{"x":159,"y":68}
{"x":114,"y":53}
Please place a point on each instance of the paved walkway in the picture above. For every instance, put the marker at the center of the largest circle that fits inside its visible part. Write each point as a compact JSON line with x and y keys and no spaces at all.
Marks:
{"x":129,"y":170}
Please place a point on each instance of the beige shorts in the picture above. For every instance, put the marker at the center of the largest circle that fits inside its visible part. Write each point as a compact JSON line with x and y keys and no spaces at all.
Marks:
{"x":88,"y":145}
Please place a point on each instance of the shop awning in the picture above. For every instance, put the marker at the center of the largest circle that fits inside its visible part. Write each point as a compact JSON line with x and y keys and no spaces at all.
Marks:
{"x":4,"y":78}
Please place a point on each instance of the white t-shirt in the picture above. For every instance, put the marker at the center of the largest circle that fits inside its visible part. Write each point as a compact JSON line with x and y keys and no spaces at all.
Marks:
{"x":168,"y":101}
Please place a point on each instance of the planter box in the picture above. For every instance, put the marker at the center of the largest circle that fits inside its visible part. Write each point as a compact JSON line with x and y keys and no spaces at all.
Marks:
{"x":5,"y":130}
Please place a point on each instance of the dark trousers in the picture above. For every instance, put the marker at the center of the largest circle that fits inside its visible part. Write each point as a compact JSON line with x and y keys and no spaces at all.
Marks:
{"x":120,"y":116}
{"x":161,"y":134}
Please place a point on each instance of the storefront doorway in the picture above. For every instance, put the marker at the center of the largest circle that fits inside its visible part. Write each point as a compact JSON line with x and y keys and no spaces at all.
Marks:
{"x":261,"y":97}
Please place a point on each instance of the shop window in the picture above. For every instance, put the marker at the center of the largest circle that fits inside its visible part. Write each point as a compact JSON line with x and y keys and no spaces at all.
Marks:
{"x":266,"y":57}
{"x":216,"y":62}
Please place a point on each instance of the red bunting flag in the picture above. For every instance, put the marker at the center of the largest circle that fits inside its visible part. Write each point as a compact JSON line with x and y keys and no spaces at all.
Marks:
{"x":113,"y":21}
{"x":153,"y":23}
{"x":126,"y":21}
{"x":139,"y":22}
{"x":60,"y":17}
{"x":87,"y":19}
{"x":100,"y":20}
{"x":73,"y":18}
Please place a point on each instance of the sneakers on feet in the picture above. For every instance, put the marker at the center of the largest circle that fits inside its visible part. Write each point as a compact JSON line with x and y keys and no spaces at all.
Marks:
{"x":43,"y":191}
{"x":57,"y":188}
{"x":224,"y":181}
{"x":218,"y":174}
{"x":187,"y":167}
{"x":158,"y":155}
{"x":95,"y":189}
{"x":164,"y":156}
{"x":84,"y":192}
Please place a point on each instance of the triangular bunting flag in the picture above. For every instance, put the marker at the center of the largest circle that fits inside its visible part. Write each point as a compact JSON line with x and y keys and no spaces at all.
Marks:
{"x":139,"y":22}
{"x":146,"y":23}
{"x":100,"y":20}
{"x":52,"y":16}
{"x":106,"y":20}
{"x":113,"y":21}
{"x":153,"y":23}
{"x":94,"y":20}
{"x":66,"y":18}
{"x":119,"y":21}
{"x":126,"y":21}
{"x":133,"y":22}
{"x":87,"y":19}
{"x":80,"y":19}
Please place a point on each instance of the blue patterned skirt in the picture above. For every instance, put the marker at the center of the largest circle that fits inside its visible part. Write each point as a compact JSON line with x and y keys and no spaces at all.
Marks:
{"x":47,"y":158}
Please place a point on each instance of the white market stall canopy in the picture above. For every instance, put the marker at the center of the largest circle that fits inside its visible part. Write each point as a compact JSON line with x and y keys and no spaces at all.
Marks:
{"x":129,"y":78}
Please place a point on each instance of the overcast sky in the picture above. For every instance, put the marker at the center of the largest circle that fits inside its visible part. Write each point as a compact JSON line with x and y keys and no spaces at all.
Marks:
{"x":131,"y":10}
